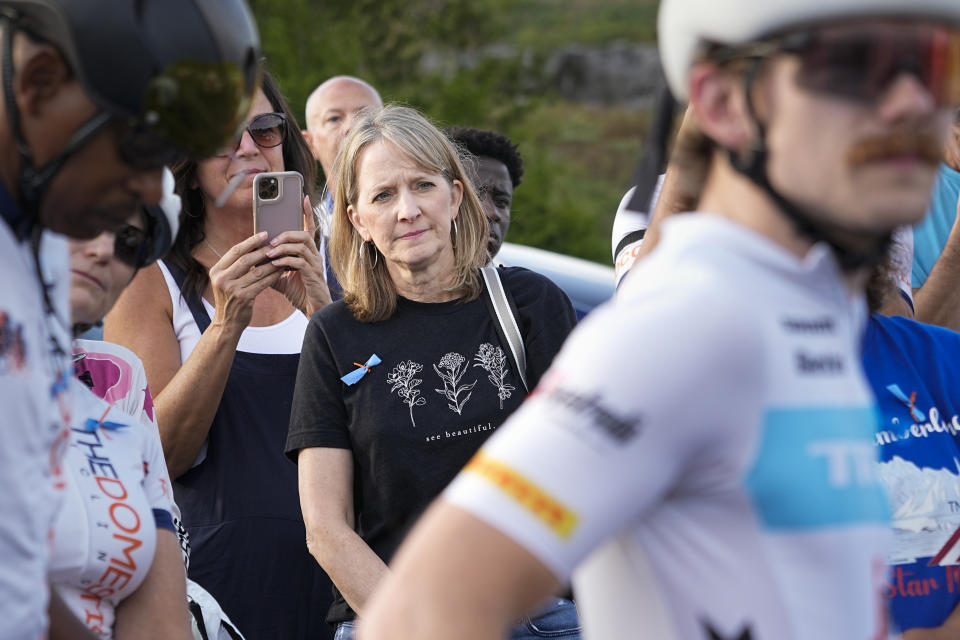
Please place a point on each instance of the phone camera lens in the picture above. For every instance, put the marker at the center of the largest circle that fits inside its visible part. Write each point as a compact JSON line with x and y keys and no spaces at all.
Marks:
{"x":269,"y":189}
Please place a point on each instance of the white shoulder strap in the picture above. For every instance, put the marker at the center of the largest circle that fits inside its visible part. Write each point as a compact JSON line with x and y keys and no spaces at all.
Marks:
{"x":508,"y":324}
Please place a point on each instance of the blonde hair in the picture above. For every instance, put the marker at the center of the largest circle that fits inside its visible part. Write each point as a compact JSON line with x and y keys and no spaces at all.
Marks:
{"x":367,"y":287}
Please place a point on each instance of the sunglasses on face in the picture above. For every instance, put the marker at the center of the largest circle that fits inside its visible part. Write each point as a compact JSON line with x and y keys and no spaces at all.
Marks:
{"x":266,"y":130}
{"x":130,"y":246}
{"x":861,"y":62}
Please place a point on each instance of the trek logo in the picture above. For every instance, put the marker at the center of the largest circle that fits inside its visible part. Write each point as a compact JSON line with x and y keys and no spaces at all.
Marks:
{"x":848,"y":462}
{"x":829,"y":364}
{"x":824,"y":325}
{"x":621,"y":429}
{"x":816,"y":467}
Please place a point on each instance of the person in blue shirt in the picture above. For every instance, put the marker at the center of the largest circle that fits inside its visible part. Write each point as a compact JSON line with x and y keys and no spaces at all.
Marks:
{"x":914,"y":371}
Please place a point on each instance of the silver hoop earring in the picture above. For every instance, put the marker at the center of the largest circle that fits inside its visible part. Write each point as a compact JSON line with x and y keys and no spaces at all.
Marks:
{"x":453,"y":239}
{"x":376,"y":256}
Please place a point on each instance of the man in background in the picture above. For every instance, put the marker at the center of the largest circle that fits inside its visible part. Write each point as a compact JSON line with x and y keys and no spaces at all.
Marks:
{"x":330,"y":112}
{"x":499,"y":170}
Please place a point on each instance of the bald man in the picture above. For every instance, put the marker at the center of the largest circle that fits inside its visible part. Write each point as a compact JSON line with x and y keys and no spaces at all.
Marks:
{"x":331,"y":110}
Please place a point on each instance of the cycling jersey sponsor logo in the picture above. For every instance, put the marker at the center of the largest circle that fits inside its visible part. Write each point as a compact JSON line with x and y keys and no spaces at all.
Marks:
{"x":621,"y":429}
{"x":817,"y":468}
{"x":814,"y":364}
{"x":111,"y":502}
{"x":551,"y":512}
{"x":823,"y":325}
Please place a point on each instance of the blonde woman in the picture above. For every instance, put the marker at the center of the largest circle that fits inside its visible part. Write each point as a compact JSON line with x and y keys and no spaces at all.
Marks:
{"x":403,"y":380}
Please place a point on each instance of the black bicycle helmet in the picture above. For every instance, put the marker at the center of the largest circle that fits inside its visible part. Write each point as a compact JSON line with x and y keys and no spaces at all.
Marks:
{"x":185,"y":69}
{"x":177,"y":75}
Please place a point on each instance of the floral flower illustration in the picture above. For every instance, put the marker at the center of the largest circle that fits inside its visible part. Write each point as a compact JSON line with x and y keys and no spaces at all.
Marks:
{"x":495,"y":362}
{"x":453,"y":364}
{"x":402,"y":380}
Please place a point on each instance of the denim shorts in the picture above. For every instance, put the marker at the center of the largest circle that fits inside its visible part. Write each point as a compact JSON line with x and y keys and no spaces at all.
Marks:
{"x":558,"y":620}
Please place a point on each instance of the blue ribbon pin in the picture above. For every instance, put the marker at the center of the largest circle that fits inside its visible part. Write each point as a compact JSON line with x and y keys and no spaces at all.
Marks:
{"x":354,"y":376}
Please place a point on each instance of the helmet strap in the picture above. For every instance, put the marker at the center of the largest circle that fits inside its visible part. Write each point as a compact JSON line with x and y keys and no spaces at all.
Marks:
{"x":753,"y":166}
{"x":33,"y":181}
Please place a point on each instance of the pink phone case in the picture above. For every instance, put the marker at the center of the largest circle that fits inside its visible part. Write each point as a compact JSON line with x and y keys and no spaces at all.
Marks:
{"x":284,"y":211}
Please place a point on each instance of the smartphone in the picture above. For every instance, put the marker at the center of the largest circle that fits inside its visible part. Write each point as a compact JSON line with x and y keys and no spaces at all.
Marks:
{"x":277,"y":203}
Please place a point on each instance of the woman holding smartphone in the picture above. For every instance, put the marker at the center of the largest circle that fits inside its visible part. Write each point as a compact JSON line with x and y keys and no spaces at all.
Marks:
{"x":219,"y":325}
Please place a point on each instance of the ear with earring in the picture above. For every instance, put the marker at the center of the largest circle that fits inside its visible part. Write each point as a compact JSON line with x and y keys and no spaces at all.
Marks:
{"x":363,"y":250}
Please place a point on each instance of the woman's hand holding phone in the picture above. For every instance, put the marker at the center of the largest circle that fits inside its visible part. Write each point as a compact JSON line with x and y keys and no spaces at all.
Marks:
{"x":296,"y":254}
{"x":237,"y":279}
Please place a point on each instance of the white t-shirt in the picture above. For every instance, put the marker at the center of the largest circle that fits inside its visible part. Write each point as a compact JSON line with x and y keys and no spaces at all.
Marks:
{"x":699,"y":458}
{"x":118,"y":494}
{"x":34,"y":401}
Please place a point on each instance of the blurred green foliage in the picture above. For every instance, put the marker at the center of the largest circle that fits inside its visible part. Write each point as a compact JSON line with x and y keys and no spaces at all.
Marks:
{"x":578,"y":159}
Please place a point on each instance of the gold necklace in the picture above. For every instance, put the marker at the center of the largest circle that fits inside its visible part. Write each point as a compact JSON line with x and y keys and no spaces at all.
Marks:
{"x":207,"y":242}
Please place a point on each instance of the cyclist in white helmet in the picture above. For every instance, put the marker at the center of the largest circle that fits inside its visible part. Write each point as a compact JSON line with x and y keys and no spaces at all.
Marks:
{"x":699,"y":459}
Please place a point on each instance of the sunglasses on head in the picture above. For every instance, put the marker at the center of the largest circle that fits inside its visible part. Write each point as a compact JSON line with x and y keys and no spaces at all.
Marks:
{"x":130,"y":245}
{"x":860,"y":62}
{"x":266,"y":130}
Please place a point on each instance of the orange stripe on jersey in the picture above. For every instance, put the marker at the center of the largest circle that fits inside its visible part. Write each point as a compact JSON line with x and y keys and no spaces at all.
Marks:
{"x":551,"y":512}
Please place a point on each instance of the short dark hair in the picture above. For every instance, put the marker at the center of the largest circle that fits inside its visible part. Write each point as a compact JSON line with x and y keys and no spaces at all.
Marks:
{"x":490,"y":144}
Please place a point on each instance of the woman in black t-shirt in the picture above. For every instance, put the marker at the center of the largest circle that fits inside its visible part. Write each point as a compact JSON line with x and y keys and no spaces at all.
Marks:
{"x":401,"y":381}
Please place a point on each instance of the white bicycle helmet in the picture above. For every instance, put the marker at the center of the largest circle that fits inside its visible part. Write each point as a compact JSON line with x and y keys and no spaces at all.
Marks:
{"x":685,"y":26}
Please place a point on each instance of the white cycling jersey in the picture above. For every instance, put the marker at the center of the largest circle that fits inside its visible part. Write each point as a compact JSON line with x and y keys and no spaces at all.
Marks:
{"x":699,"y":457}
{"x":34,"y":407}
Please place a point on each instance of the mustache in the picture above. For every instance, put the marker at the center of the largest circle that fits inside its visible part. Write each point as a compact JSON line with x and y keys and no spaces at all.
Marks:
{"x":905,"y":143}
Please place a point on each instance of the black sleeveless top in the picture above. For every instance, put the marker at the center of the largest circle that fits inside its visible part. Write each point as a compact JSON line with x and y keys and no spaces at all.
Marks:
{"x":241,"y":506}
